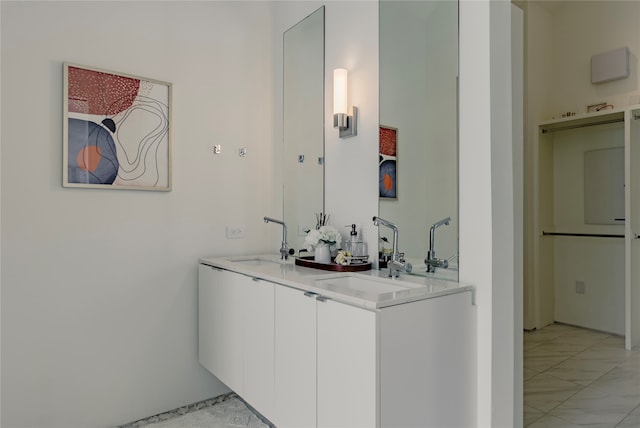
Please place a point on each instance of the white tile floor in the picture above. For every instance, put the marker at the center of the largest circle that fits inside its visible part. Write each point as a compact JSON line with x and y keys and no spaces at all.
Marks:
{"x":575,"y":377}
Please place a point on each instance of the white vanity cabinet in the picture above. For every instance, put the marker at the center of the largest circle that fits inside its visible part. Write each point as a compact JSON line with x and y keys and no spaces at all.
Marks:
{"x":307,"y":360}
{"x":236,"y":329}
{"x":325,"y":362}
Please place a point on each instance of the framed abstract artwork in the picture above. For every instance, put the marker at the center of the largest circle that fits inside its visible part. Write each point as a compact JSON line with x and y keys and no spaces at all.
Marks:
{"x":116,"y":130}
{"x":388,"y":162}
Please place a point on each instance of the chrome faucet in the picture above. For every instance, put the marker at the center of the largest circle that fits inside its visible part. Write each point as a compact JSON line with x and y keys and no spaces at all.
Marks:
{"x":396,"y":264}
{"x":284,"y":249}
{"x":432,"y":261}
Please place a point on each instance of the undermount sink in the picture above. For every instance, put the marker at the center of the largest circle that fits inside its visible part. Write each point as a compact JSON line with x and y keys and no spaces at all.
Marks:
{"x":360,"y":284}
{"x":258,"y":261}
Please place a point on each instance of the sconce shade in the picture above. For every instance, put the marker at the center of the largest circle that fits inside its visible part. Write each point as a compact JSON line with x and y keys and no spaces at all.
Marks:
{"x":340,"y":91}
{"x":347,"y":125}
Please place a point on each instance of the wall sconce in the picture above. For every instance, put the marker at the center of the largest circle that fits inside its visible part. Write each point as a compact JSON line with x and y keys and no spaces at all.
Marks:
{"x":346,"y":124}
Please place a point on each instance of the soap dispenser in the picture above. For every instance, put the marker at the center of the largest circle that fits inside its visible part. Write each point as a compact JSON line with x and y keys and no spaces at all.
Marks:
{"x":355,"y":246}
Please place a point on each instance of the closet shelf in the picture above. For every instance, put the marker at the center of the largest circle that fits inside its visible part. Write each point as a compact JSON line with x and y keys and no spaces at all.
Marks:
{"x":590,"y":119}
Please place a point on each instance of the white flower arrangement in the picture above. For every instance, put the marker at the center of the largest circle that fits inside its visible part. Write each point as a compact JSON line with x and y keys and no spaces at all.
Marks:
{"x":324,"y":235}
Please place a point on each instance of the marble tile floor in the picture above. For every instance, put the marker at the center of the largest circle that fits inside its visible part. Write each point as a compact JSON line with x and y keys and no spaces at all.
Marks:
{"x":575,"y":377}
{"x":225,"y":411}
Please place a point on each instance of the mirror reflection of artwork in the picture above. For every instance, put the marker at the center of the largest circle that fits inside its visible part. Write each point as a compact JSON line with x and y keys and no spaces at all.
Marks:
{"x":418,"y":94}
{"x":388,"y":162}
{"x":116,"y":130}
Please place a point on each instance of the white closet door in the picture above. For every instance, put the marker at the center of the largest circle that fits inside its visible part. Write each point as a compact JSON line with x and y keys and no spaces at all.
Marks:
{"x":632,"y":230}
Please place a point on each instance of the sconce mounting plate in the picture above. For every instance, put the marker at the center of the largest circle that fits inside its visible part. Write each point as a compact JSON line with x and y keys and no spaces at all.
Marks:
{"x":351,"y":130}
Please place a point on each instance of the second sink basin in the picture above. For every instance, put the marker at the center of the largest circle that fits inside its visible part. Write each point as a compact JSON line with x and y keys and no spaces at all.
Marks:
{"x":361,"y":284}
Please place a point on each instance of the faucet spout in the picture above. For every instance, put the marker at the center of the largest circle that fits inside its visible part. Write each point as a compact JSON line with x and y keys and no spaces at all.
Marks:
{"x":432,"y":261}
{"x":284,"y":249}
{"x":396,"y":264}
{"x":441,"y":222}
{"x":394,"y":228}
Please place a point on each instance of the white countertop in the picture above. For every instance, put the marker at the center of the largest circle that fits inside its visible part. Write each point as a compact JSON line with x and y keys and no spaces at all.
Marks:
{"x":409,"y":287}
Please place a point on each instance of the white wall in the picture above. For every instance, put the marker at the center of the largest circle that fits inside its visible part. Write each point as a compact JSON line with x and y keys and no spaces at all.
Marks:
{"x":517,"y":107}
{"x":99,"y":287}
{"x":581,"y":29}
{"x":0,"y":227}
{"x":487,"y":241}
{"x":599,"y":264}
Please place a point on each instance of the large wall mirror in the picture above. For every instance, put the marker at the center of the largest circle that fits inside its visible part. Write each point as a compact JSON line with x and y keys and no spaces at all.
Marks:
{"x":303,"y":127}
{"x":418,"y":102}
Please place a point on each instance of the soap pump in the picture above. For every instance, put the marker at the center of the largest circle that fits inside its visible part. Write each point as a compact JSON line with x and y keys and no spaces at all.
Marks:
{"x":354,"y":233}
{"x":355,"y":246}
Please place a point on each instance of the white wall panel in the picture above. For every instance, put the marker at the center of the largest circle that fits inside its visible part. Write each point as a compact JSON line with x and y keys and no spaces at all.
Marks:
{"x":99,"y":319}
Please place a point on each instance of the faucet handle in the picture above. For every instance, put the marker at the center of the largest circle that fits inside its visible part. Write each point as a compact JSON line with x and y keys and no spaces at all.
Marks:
{"x":397,"y":266}
{"x":408,"y":267}
{"x":285,"y":251}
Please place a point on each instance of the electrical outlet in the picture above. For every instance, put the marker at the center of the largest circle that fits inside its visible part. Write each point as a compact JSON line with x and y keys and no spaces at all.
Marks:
{"x":580,"y":287}
{"x":235,"y":232}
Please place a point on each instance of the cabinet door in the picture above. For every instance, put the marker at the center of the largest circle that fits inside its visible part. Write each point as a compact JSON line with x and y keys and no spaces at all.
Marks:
{"x":220,"y":325}
{"x":257,"y":311}
{"x":347,"y":366}
{"x":427,"y":363}
{"x":295,"y":350}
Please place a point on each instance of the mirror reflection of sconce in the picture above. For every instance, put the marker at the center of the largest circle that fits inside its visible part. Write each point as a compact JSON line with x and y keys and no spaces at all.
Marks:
{"x":346,"y":124}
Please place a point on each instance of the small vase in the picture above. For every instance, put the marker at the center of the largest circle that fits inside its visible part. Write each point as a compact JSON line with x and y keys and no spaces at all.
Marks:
{"x":322,"y":254}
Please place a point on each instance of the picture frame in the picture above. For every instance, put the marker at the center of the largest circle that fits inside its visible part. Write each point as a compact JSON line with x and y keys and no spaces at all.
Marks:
{"x":388,"y":162}
{"x":116,"y":130}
